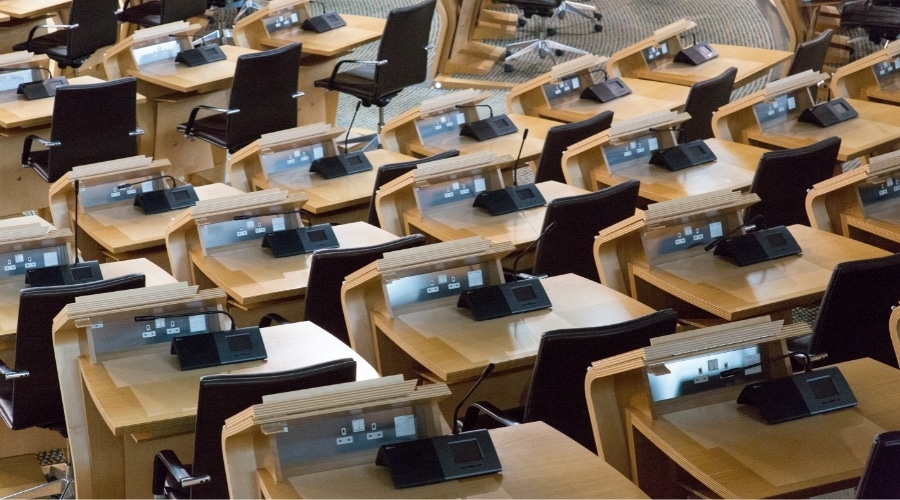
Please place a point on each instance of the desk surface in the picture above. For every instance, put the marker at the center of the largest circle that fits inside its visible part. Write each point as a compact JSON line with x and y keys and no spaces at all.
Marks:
{"x":32,"y":8}
{"x":20,"y":113}
{"x":751,"y":63}
{"x":251,"y":275}
{"x":359,"y":30}
{"x":453,"y":346}
{"x":802,"y":457}
{"x":183,"y":78}
{"x":715,"y":285}
{"x":646,"y":97}
{"x":565,"y":470}
{"x":125,"y":228}
{"x":733,"y":169}
{"x":463,"y":221}
{"x":876,"y":128}
{"x":147,"y":392}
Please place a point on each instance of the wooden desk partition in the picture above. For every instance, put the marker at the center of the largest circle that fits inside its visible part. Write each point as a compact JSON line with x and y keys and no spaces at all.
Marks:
{"x":875,"y":77}
{"x":264,"y":438}
{"x":751,"y":62}
{"x":555,"y":95}
{"x":342,"y":199}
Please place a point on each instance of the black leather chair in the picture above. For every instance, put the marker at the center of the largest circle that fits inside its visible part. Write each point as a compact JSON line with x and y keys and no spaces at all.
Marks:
{"x":852,"y":321}
{"x":811,"y":54}
{"x":327,"y":269}
{"x":263,"y":100}
{"x":556,"y":393}
{"x":391,"y":171}
{"x":568,"y":247}
{"x":91,"y":26}
{"x":402,"y":60}
{"x":704,"y":99}
{"x":157,"y":12}
{"x":783,"y":177}
{"x":29,"y":394}
{"x":222,"y":396}
{"x":560,"y":137}
{"x":84,"y":130}
{"x":879,"y":477}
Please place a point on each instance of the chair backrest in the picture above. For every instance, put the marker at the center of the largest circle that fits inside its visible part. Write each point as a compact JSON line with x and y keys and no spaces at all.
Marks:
{"x":327,"y":269}
{"x":811,"y":54}
{"x":222,"y":396}
{"x":404,"y":45}
{"x":704,"y":99}
{"x":180,"y":10}
{"x":783,"y":177}
{"x":556,"y":395}
{"x":879,"y":476}
{"x":560,"y":137}
{"x":263,"y":90}
{"x":97,"y":28}
{"x":853,"y":318}
{"x":569,"y":246}
{"x":391,"y":171}
{"x":85,"y":128}
{"x":36,"y":400}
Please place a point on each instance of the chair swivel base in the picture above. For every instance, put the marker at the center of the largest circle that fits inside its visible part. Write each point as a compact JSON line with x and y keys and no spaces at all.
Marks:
{"x":542,"y":47}
{"x":579,"y":9}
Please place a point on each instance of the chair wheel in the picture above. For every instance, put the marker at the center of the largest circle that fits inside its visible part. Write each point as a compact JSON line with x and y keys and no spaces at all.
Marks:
{"x":598,"y":16}
{"x":508,"y":53}
{"x":598,"y":28}
{"x":551,"y":31}
{"x":558,"y":52}
{"x":507,"y":68}
{"x":521,"y":22}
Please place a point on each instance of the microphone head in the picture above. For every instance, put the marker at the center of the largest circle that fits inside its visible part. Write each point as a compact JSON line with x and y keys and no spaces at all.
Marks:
{"x":524,"y":134}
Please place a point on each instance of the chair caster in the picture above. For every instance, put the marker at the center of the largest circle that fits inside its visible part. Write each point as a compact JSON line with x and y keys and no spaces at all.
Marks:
{"x":598,"y":16}
{"x":521,"y":22}
{"x":507,"y":68}
{"x":551,"y":31}
{"x":598,"y":28}
{"x":508,"y":53}
{"x":558,"y":52}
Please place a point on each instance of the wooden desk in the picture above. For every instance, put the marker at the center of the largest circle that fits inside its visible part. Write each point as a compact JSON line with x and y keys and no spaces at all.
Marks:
{"x":646,"y":97}
{"x":321,"y":52}
{"x":521,"y":228}
{"x":565,"y":470}
{"x":858,"y":80}
{"x":751,"y":63}
{"x":733,"y":169}
{"x":23,"y":9}
{"x":743,"y":457}
{"x":711,"y":285}
{"x":130,"y":415}
{"x":254,"y":279}
{"x":445,"y":344}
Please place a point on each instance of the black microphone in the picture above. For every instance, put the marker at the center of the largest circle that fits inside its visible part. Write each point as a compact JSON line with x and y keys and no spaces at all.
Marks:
{"x":457,"y":425}
{"x":749,"y":226}
{"x":324,"y":9}
{"x":131,"y":184}
{"x":518,"y":157}
{"x":139,"y":319}
{"x":734,"y":371}
{"x":490,"y":109}
{"x":515,"y":268}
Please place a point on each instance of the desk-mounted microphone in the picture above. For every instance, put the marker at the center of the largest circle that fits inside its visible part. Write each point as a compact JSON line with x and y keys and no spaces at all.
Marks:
{"x":545,"y":232}
{"x":512,"y":198}
{"x":487,"y":128}
{"x":457,"y":425}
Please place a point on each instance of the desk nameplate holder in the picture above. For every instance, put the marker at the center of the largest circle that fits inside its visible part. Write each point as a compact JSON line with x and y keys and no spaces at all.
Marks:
{"x":332,"y":427}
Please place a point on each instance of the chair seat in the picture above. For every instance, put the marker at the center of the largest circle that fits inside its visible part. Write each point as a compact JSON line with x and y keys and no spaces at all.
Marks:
{"x":212,"y":129}
{"x":360,"y":83}
{"x":42,"y":44}
{"x":39,"y":162}
{"x":145,"y":15}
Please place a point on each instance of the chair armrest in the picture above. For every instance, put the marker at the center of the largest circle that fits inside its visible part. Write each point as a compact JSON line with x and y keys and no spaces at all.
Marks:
{"x":54,"y":26}
{"x":136,"y":132}
{"x":490,"y":410}
{"x":272,"y":318}
{"x":10,"y":374}
{"x":26,"y":147}
{"x":190,"y":124}
{"x":166,"y":463}
{"x":337,"y":66}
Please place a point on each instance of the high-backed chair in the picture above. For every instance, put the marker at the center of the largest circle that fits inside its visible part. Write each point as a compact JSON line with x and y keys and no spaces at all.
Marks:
{"x":220,"y":397}
{"x":391,"y":171}
{"x":544,"y":9}
{"x":327,"y":269}
{"x":568,"y":246}
{"x":84,"y":130}
{"x":91,"y":26}
{"x":811,"y":54}
{"x":263,"y":100}
{"x":853,"y":317}
{"x":157,"y":12}
{"x":29,"y":393}
{"x":402,"y":60}
{"x":879,"y":476}
{"x":556,"y":393}
{"x":704,"y":99}
{"x":560,"y":137}
{"x":783,"y":177}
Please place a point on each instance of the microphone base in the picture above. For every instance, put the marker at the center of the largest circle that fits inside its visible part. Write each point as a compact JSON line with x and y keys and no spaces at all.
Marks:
{"x":696,"y":54}
{"x":488,"y":128}
{"x":510,"y":199}
{"x":68,"y":274}
{"x":683,"y":156}
{"x":219,"y":348}
{"x":341,"y":165}
{"x":165,"y":200}
{"x":759,"y":246}
{"x":606,"y":91}
{"x":506,"y":299}
{"x":301,"y":240}
{"x":799,"y":395}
